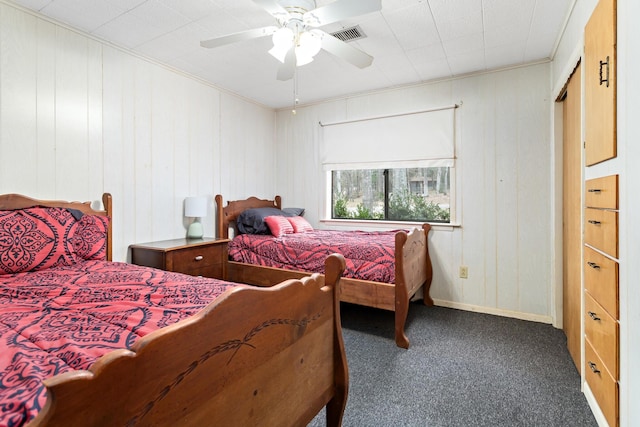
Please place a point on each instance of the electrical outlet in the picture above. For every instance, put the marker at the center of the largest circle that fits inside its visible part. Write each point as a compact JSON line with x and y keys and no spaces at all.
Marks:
{"x":464,"y":272}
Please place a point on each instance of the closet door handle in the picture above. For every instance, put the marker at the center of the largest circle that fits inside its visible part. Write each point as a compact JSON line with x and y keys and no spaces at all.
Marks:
{"x":593,"y":265}
{"x":606,"y":79}
{"x":593,"y":315}
{"x":594,"y":222}
{"x":594,"y":190}
{"x":594,"y":368}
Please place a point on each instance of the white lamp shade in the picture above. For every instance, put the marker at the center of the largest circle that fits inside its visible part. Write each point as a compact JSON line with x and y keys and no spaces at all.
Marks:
{"x":195,"y":207}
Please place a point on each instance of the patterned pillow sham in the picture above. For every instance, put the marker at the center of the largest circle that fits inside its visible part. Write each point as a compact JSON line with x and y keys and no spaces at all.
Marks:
{"x":89,"y":237}
{"x":35,"y":239}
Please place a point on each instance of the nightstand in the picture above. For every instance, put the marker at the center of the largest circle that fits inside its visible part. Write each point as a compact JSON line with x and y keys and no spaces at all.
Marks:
{"x":198,"y":257}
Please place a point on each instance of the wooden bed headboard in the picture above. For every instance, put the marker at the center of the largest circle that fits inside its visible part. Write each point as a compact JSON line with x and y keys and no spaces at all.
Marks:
{"x":227,"y":215}
{"x":16,"y":201}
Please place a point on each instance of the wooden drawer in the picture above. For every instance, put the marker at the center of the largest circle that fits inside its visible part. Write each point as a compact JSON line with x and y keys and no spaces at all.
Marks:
{"x":602,"y":192}
{"x":603,"y":386}
{"x":197,"y":257}
{"x":197,"y":261}
{"x":194,"y":258}
{"x":602,"y":332}
{"x":601,"y":230}
{"x":601,"y":280}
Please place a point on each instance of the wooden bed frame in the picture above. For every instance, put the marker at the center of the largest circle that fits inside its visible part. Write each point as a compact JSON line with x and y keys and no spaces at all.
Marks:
{"x":254,"y":356}
{"x":413,"y":268}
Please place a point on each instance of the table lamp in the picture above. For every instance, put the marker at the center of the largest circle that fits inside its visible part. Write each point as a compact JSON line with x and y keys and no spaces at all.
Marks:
{"x":196,"y":208}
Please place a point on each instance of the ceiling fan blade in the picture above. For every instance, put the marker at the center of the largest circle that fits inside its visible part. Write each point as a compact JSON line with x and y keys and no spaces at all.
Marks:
{"x":236,"y":37}
{"x":288,"y":67}
{"x":339,"y":10}
{"x":274,"y":8}
{"x":345,"y":51}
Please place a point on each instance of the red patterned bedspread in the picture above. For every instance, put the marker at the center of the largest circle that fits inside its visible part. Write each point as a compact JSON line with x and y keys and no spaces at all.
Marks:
{"x":64,"y":318}
{"x":368,"y":255}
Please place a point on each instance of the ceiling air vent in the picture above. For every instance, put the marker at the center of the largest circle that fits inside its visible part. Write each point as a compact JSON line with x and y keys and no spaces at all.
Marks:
{"x":350,"y":34}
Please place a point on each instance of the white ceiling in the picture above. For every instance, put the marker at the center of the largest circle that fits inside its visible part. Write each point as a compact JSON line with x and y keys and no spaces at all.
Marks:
{"x":412,"y":41}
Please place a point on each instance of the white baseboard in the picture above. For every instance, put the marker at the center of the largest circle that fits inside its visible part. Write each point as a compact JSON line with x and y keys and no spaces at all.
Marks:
{"x":494,"y":311}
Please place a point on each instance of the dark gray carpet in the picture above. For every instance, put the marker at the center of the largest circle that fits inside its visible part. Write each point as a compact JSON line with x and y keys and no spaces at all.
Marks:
{"x":462,"y":369}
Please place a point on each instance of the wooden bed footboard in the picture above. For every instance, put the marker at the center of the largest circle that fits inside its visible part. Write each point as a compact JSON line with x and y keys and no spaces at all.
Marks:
{"x":413,"y":269}
{"x":253,"y":357}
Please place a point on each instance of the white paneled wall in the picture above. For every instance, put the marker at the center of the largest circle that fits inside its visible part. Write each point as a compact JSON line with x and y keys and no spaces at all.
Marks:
{"x":79,"y":118}
{"x":503,"y":189}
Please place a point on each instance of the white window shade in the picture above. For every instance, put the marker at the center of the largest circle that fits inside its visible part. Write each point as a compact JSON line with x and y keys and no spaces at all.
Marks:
{"x":421,"y":139}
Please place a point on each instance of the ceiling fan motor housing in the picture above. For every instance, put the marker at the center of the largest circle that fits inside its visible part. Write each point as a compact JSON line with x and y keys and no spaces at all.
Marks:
{"x":297,"y":6}
{"x":296,"y":10}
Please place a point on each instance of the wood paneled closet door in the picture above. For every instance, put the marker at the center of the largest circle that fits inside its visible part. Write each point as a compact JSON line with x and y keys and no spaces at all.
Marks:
{"x":571,"y":217}
{"x":600,"y":83}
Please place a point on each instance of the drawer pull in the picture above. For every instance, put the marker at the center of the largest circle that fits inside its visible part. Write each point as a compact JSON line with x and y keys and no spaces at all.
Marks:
{"x":594,"y":222}
{"x":606,"y":78}
{"x":593,"y":265}
{"x":593,"y":315}
{"x":199,"y":258}
{"x":594,"y":368}
{"x":594,"y":190}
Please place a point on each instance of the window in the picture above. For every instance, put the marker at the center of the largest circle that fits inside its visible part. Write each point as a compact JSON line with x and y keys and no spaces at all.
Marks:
{"x":394,"y":194}
{"x":398,"y":167}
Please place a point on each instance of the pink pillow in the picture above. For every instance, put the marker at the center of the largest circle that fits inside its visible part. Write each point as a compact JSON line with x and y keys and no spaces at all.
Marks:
{"x":35,"y":239}
{"x":90,"y":237}
{"x":278,"y":225}
{"x":299,"y":224}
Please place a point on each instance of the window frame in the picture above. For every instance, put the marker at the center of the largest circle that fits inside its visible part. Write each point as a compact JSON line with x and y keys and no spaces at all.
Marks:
{"x":328,"y":199}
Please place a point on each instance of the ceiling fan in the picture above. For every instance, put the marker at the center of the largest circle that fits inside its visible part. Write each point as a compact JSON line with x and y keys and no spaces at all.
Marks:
{"x":297,"y":38}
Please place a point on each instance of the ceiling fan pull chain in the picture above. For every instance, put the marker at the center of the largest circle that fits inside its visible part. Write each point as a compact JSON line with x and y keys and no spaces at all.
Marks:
{"x":295,"y":91}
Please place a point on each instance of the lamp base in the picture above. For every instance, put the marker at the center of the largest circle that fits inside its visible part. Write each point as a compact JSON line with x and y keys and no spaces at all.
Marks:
{"x":195,"y":230}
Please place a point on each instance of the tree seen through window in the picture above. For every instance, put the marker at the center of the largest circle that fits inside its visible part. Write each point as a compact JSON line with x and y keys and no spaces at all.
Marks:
{"x":400,"y":194}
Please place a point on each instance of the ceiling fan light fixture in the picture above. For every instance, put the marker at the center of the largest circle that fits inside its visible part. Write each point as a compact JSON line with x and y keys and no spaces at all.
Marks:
{"x":297,"y":38}
{"x":309,"y":44}
{"x":302,"y":59}
{"x":282,"y":42}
